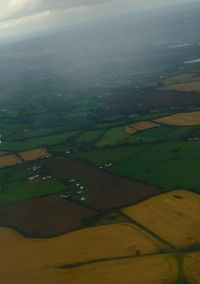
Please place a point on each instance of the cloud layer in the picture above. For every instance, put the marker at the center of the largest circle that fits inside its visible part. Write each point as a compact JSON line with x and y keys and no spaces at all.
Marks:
{"x":14,"y":9}
{"x":25,"y":16}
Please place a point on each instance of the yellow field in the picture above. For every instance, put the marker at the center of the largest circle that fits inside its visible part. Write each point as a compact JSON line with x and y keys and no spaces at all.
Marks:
{"x":140,"y":126}
{"x":37,"y":261}
{"x":33,"y":154}
{"x":183,"y":78}
{"x":174,"y":216}
{"x":185,"y":87}
{"x":184,"y":83}
{"x":130,"y":130}
{"x":9,"y":160}
{"x":181,"y":119}
{"x":192,"y":267}
{"x":142,"y":270}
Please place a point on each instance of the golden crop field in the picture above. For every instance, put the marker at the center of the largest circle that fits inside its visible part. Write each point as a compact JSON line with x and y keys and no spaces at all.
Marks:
{"x":192,"y":267}
{"x":183,"y":83}
{"x":90,"y":252}
{"x":185,"y":87}
{"x":33,"y":154}
{"x":181,"y":119}
{"x":149,"y":269}
{"x":174,"y":216}
{"x":183,"y":78}
{"x":140,"y":126}
{"x":9,"y":160}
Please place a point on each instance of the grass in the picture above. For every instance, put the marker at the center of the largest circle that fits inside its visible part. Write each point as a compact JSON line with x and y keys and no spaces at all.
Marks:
{"x":14,"y":174}
{"x":11,"y":128}
{"x":89,"y":136}
{"x":18,"y":191}
{"x":29,"y":144}
{"x":170,"y":165}
{"x":164,"y":133}
{"x":115,"y":155}
{"x":150,"y":135}
{"x":112,"y":137}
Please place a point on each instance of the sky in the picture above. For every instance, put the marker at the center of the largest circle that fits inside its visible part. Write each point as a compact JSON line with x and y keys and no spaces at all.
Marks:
{"x":18,"y":17}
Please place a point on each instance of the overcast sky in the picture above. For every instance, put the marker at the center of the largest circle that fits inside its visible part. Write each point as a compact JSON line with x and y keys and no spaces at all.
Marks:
{"x":27,"y":16}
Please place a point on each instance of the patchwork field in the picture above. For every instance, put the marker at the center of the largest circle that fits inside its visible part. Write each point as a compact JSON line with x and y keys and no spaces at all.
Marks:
{"x":44,"y":217}
{"x":112,"y":136}
{"x":9,"y":160}
{"x":140,"y":126}
{"x":76,"y":258}
{"x":29,"y":144}
{"x":33,"y":155}
{"x":106,"y":190}
{"x":191,"y":267}
{"x":150,"y":135}
{"x":174,"y":216}
{"x":181,"y":119}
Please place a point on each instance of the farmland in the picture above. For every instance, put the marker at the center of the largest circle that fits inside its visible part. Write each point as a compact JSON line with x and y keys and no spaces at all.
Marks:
{"x":50,"y":216}
{"x":140,"y":126}
{"x":90,"y":136}
{"x":80,"y":265}
{"x":191,"y":267}
{"x":112,"y":137}
{"x":105,"y":189}
{"x":114,"y":155}
{"x":33,"y":155}
{"x":183,"y":83}
{"x":18,"y":191}
{"x":36,"y":142}
{"x":170,"y":165}
{"x":181,"y":119}
{"x":176,"y":217}
{"x":99,"y":180}
{"x":9,"y":160}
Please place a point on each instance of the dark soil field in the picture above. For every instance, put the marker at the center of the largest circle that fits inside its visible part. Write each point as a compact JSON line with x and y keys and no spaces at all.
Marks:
{"x":107,"y":191}
{"x":44,"y":217}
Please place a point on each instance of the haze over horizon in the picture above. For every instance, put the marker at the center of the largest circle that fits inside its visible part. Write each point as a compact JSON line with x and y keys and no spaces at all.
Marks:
{"x":26,"y":17}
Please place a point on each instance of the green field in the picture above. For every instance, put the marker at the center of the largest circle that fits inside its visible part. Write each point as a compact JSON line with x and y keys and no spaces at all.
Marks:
{"x":114,"y":155}
{"x":163,"y":133}
{"x":170,"y":165}
{"x":90,"y":136}
{"x":11,"y":128}
{"x":19,"y":191}
{"x":149,"y":135}
{"x":14,"y":174}
{"x":112,"y":137}
{"x":36,"y":142}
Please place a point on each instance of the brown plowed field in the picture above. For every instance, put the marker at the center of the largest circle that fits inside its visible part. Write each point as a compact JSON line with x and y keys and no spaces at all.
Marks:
{"x":44,"y":217}
{"x":106,"y":190}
